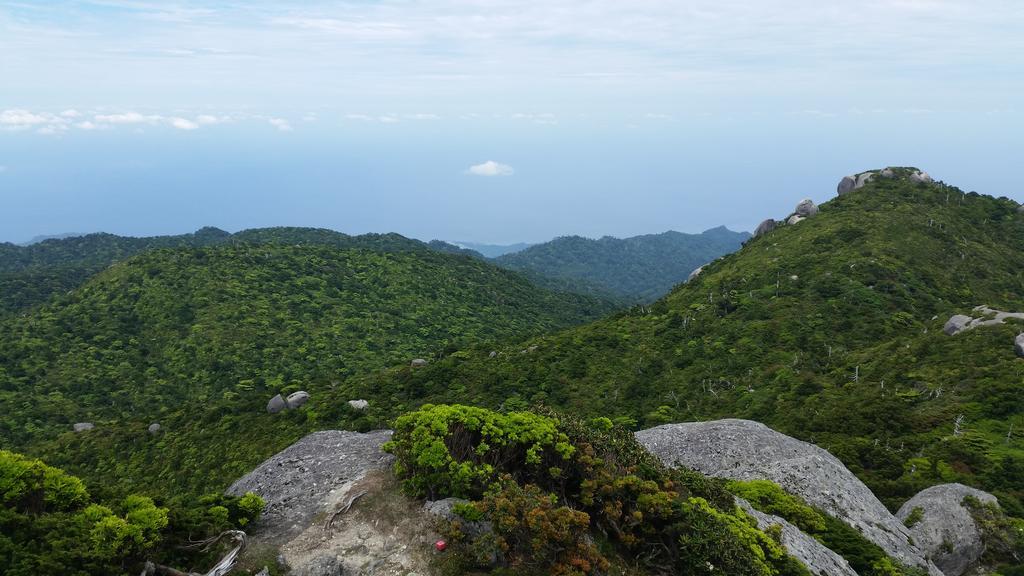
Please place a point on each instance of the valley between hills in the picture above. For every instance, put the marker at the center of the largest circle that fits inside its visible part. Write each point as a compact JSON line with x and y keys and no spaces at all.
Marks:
{"x":840,"y":392}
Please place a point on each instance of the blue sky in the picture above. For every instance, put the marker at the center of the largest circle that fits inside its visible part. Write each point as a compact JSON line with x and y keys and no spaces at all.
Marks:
{"x":491,"y":120}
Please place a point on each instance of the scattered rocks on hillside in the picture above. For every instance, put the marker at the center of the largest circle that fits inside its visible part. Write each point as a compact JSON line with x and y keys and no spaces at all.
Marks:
{"x":945,"y":529}
{"x":765,"y":227}
{"x":863,"y":179}
{"x":418,"y":363}
{"x":276,"y":404}
{"x":297,"y":482}
{"x":696,"y":272}
{"x":83,"y":426}
{"x":155,"y":428}
{"x":813,"y":554}
{"x":887,"y":173}
{"x":296,"y":399}
{"x":493,"y":354}
{"x":358,"y":404}
{"x":806,"y":208}
{"x":988,"y":317}
{"x":746,"y":450}
{"x":795,"y":219}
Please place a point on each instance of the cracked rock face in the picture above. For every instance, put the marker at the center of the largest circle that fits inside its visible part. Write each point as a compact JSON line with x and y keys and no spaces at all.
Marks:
{"x":296,"y":482}
{"x":813,"y":554}
{"x":746,"y":450}
{"x":946,"y":531}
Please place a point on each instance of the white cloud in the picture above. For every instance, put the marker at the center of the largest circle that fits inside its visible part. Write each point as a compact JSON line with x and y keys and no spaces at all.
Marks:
{"x":360,"y":117}
{"x":281,"y":124}
{"x":388,"y":119}
{"x":183,"y":124}
{"x":208,"y":119}
{"x":423,"y":117}
{"x":87,"y":125}
{"x":22,"y":119}
{"x":72,"y":113}
{"x":491,"y":168}
{"x":127,"y":118}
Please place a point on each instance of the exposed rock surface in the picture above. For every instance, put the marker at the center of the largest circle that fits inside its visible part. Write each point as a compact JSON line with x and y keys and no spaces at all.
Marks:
{"x":324,"y":565}
{"x":813,"y":554}
{"x":696,"y":272}
{"x":83,"y":426}
{"x":418,"y":363}
{"x":946,"y":531}
{"x":956,"y":324}
{"x":358,"y":404}
{"x":445,"y":510}
{"x":846,"y":185}
{"x":276,"y":404}
{"x":155,"y":428}
{"x":765,"y":227}
{"x":863,"y":179}
{"x":921,"y":177}
{"x":296,"y":399}
{"x":986,"y":317}
{"x":746,"y":450}
{"x":297,"y":482}
{"x":806,"y":208}
{"x":1018,"y":345}
{"x":795,"y":219}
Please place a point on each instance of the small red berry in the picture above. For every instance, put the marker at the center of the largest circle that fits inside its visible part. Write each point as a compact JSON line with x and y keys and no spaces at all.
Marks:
{"x":440,"y":545}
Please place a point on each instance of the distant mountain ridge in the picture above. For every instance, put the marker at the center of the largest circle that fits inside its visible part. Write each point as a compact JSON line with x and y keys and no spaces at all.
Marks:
{"x":30,"y":275}
{"x":493,"y":250}
{"x":639,"y":268}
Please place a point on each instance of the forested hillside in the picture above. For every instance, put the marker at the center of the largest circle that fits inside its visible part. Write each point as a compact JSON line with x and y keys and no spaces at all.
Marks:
{"x":830,"y":329}
{"x":199,"y":339}
{"x":29,"y":275}
{"x":640,"y":269}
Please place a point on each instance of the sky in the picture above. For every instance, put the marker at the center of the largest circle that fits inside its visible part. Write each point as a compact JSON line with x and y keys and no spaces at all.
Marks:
{"x":491,"y":120}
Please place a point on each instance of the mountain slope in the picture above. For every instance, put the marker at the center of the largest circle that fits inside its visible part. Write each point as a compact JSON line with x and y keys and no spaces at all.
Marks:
{"x":198,"y":340}
{"x":29,"y":275}
{"x":641,"y":268}
{"x":829,"y":330}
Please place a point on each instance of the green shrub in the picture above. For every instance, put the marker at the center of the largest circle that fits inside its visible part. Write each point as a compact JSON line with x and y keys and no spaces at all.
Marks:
{"x":460,"y":450}
{"x":770,"y":498}
{"x":915,"y":516}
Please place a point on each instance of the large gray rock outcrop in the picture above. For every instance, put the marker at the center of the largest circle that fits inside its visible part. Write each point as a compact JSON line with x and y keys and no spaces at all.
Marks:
{"x":846,"y":185}
{"x":276,"y":404}
{"x":1018,"y":345}
{"x":296,"y":399}
{"x":765,"y":227}
{"x":956,"y":324}
{"x":83,"y":426}
{"x":806,"y":208}
{"x":813,"y":554}
{"x":746,"y":450}
{"x":946,"y":531}
{"x":297,"y":482}
{"x":921,"y":177}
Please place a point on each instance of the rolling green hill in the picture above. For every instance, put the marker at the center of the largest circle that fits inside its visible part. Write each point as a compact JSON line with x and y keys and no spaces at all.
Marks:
{"x":639,"y":269}
{"x":30,"y":275}
{"x":830,"y":330}
{"x":199,"y":339}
